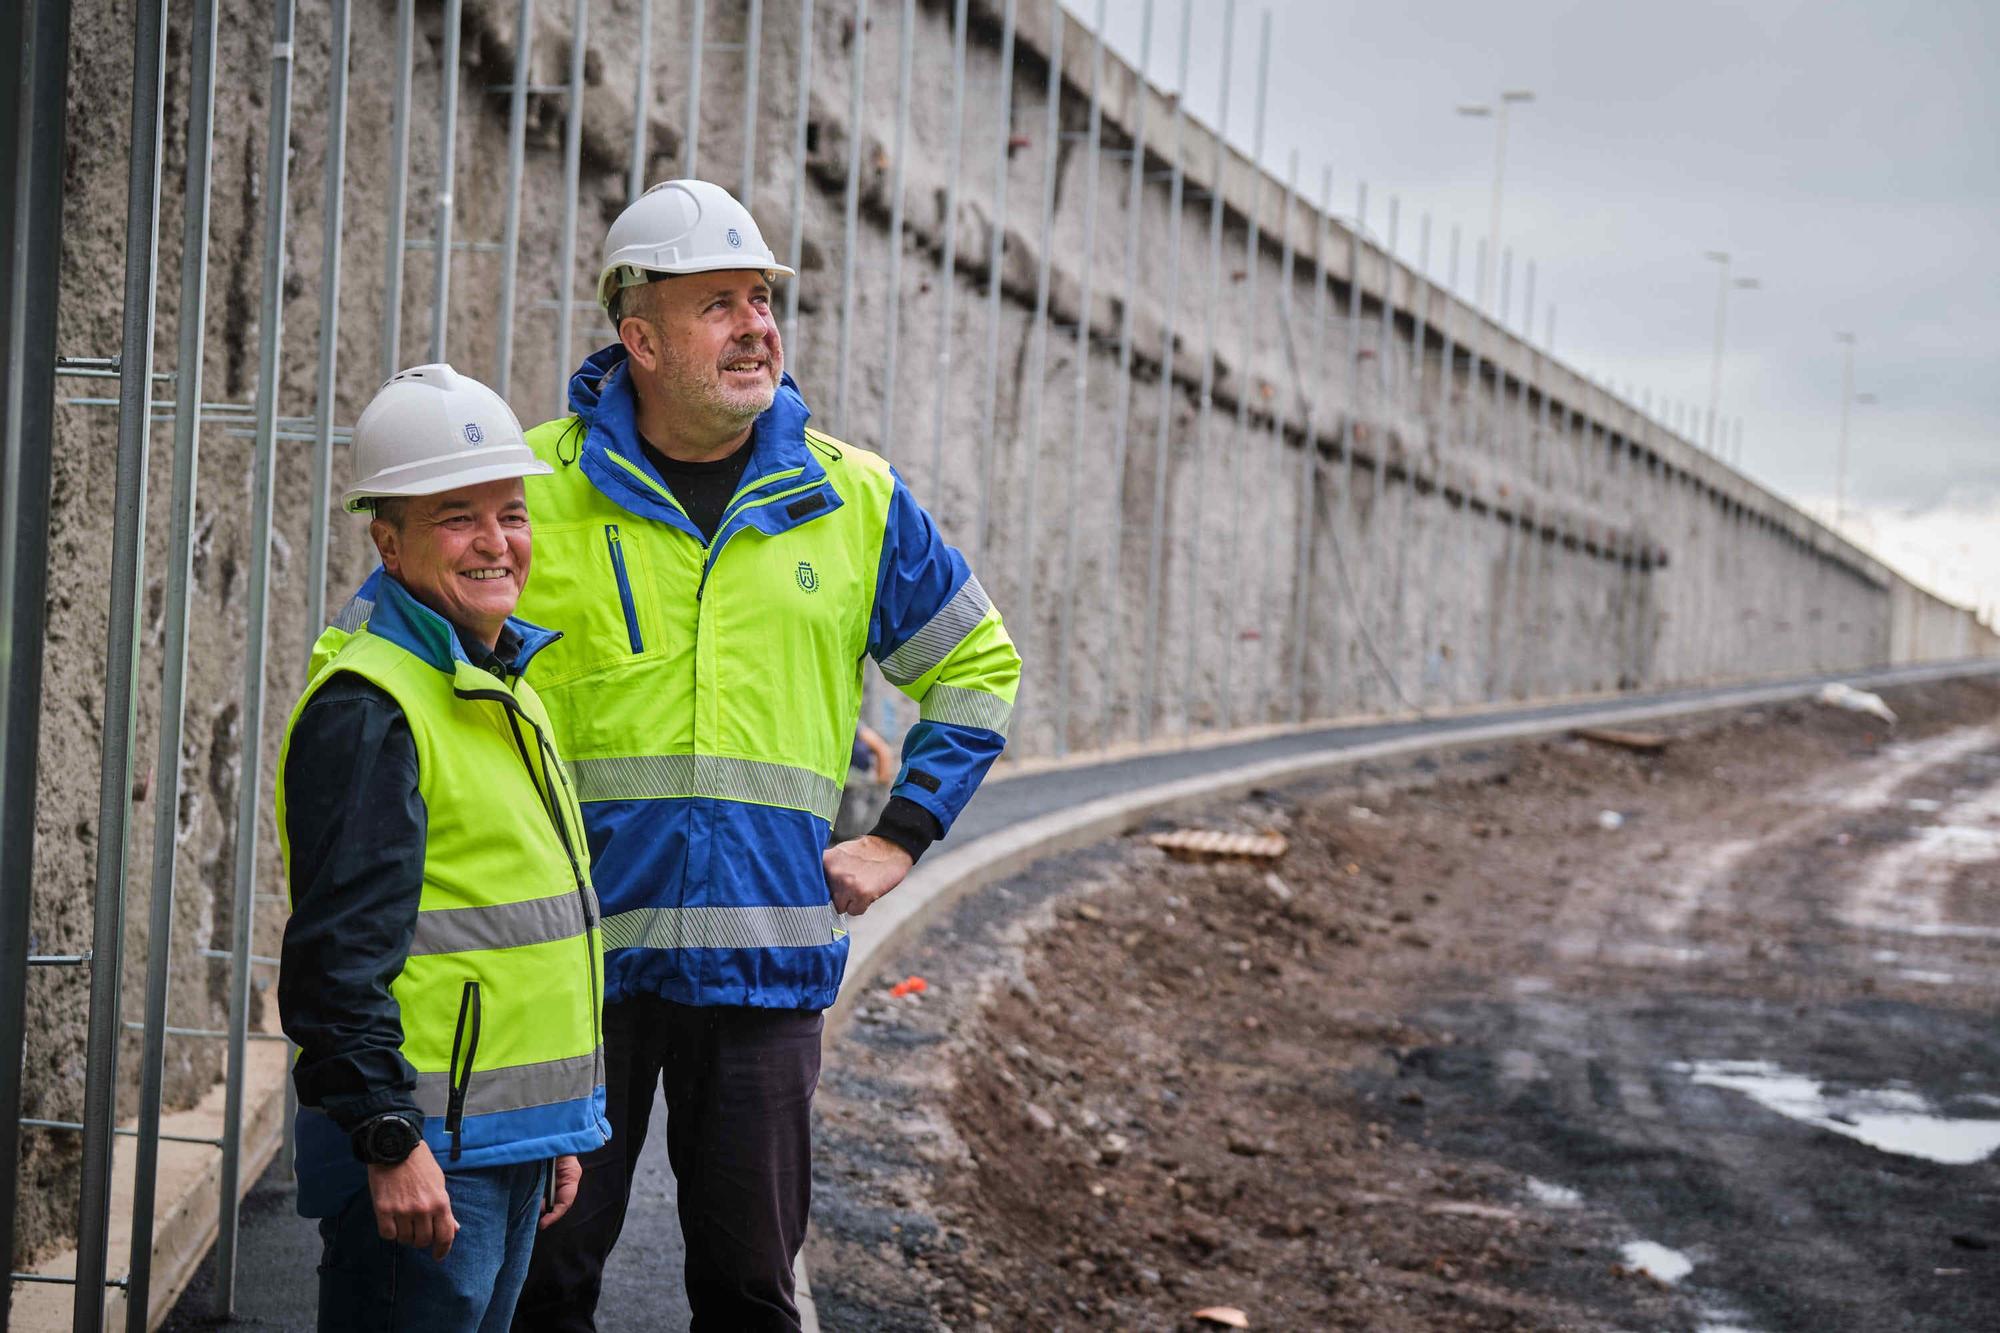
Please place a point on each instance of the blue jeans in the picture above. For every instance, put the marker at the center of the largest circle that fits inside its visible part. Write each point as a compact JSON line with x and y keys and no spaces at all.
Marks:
{"x":371,"y":1285}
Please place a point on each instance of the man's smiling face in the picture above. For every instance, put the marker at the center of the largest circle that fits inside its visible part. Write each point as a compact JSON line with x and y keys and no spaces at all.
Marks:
{"x":712,"y":349}
{"x":464,"y":553}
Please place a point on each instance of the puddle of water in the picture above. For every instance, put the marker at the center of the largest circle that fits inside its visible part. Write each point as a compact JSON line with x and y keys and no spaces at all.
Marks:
{"x":1552,"y":1195}
{"x":1892,"y":1120}
{"x":1652,"y":1257}
{"x":1901,"y":888}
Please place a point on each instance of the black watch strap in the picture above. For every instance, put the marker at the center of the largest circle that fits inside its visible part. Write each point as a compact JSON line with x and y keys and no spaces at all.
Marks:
{"x":385,"y":1140}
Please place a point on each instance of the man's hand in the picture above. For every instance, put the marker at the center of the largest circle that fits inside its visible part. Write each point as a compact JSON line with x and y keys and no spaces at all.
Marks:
{"x":860,"y":871}
{"x":411,"y":1205}
{"x":568,"y":1171}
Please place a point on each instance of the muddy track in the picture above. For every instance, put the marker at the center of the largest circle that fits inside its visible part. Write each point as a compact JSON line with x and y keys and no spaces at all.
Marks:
{"x":1465,"y":1057}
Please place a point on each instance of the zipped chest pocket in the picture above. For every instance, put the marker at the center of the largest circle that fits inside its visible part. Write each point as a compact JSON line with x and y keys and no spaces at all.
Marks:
{"x":616,"y":547}
{"x":464,"y":1049}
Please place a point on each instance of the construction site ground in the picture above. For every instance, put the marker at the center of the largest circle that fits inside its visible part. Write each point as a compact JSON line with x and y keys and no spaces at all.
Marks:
{"x":1556,"y":1035}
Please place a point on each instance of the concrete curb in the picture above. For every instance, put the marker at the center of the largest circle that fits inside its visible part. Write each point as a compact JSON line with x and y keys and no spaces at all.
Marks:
{"x":938,"y":882}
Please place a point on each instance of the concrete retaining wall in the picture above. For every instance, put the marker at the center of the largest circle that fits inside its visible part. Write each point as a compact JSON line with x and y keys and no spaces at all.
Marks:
{"x":1383,"y":530}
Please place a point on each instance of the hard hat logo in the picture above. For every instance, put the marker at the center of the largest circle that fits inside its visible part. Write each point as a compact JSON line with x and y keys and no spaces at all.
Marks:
{"x":474,"y":435}
{"x":735,"y":238}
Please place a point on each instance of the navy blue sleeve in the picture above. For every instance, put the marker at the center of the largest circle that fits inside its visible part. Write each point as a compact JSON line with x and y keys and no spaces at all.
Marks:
{"x":355,"y":823}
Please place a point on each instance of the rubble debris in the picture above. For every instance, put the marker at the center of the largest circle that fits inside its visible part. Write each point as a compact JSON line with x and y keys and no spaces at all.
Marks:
{"x":1213,"y":842}
{"x":1223,"y":1316}
{"x":912,"y":985}
{"x":1837,"y":695}
{"x":1610,"y":820}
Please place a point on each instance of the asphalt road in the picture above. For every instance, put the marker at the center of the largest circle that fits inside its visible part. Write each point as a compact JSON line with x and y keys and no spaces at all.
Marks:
{"x":279,"y":1250}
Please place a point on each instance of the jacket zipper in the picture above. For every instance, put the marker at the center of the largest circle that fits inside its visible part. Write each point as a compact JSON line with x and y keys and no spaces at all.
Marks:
{"x":465,"y":1035}
{"x":617,"y":549}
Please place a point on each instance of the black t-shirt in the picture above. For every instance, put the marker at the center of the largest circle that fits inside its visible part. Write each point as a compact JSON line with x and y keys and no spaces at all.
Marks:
{"x":704,"y":489}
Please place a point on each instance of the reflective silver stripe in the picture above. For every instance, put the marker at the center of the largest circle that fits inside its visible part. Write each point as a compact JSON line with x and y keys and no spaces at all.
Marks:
{"x":642,"y":777}
{"x":354,"y":615}
{"x":967,"y":708}
{"x":724,"y":928}
{"x":515,"y":1087}
{"x":946,"y":630}
{"x":505,"y":926}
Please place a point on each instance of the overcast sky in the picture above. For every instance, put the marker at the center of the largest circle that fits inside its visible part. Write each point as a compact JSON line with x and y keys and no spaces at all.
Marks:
{"x":1847,"y":156}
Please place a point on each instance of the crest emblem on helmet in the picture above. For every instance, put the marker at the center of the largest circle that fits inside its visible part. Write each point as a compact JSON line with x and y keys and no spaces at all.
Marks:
{"x":734,"y":237}
{"x":474,"y":435}
{"x":806,"y":577}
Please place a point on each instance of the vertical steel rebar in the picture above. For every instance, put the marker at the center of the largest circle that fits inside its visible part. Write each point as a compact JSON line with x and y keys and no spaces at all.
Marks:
{"x":1447,"y":387}
{"x":948,"y":259}
{"x":1148,"y":645}
{"x":1038,"y":347}
{"x":33,"y":120}
{"x":1086,"y":304}
{"x":1420,"y":312}
{"x":1253,"y":269}
{"x":697,"y":40}
{"x":128,"y":550}
{"x":1385,"y":347}
{"x":851,"y":211}
{"x":801,"y":127}
{"x":753,"y":52}
{"x":1121,"y":423}
{"x":329,"y":317}
{"x":572,"y":189}
{"x":1308,"y":487}
{"x":394,"y":245}
{"x":1207,"y":395}
{"x":1350,"y":431}
{"x":642,"y":103}
{"x":448,"y":77}
{"x":1389,"y":538}
{"x":995,"y":259}
{"x":905,"y":58}
{"x":1275,"y":431}
{"x":1420,"y":299}
{"x":250,"y":785}
{"x":517,"y":152}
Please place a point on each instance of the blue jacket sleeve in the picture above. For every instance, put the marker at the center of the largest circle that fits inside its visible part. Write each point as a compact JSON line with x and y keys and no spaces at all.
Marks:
{"x":939,"y":638}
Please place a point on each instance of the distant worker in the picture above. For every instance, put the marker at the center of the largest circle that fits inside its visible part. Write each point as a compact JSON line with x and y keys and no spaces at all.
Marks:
{"x":441,"y":972}
{"x":720,"y":569}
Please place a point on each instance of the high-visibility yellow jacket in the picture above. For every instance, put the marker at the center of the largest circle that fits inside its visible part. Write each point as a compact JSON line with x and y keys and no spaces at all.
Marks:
{"x":705,"y":693}
{"x":501,"y":996}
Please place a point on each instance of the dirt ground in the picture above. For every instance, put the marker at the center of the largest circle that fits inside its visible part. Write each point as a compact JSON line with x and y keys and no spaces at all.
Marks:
{"x":1560,"y":1036}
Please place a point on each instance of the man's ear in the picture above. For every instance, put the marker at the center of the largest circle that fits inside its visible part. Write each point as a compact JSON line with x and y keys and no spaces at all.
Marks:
{"x":641,"y":344}
{"x":388,"y":545}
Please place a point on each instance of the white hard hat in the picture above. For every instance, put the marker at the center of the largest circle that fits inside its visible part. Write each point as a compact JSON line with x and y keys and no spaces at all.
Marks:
{"x":684,"y":226}
{"x":431,"y":429}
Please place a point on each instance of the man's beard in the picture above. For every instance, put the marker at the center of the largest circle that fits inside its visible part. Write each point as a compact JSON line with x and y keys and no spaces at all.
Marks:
{"x":700,"y":386}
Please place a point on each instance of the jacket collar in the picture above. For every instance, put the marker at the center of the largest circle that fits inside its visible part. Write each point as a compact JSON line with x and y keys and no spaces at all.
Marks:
{"x":600,"y":393}
{"x":386,"y":607}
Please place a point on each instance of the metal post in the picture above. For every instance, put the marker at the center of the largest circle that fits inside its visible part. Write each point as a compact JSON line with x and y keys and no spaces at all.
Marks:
{"x":801,"y":122}
{"x":1308,"y":489}
{"x":996,"y":256}
{"x":448,"y":72}
{"x":948,"y":260}
{"x":1086,"y":307}
{"x":250,"y":783}
{"x":572,"y":188}
{"x":1385,"y":379}
{"x":1420,"y":310}
{"x":697,"y":39}
{"x":1038,"y":354}
{"x":1226,"y":701}
{"x":905,"y":57}
{"x":399,"y":183}
{"x":753,"y":50}
{"x":851,"y":232}
{"x":1420,"y":291}
{"x":329,"y":318}
{"x":1121,"y":422}
{"x":1148,"y":645}
{"x":128,"y":548}
{"x":642,"y":105}
{"x":33,"y":113}
{"x":517,"y":152}
{"x":1204,"y":411}
{"x":1350,"y":421}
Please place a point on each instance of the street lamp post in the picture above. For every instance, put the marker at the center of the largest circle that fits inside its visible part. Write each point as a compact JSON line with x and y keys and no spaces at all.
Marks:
{"x":1498,"y":112}
{"x":1721,"y":259}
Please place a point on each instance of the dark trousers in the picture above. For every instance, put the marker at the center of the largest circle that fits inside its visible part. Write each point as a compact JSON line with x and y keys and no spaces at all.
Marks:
{"x":738,"y":1085}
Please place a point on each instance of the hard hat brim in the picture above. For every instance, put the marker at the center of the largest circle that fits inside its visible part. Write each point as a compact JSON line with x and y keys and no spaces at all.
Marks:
{"x":436,"y":476}
{"x":607,"y":283}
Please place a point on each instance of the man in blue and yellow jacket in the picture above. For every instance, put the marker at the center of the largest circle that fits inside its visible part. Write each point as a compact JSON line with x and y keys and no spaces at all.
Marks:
{"x":720,"y":569}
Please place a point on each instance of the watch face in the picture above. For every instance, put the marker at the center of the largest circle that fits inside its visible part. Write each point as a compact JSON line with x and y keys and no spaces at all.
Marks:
{"x":391,"y":1139}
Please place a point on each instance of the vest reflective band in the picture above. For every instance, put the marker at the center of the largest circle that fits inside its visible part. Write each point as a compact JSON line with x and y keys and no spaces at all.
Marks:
{"x":501,"y":994}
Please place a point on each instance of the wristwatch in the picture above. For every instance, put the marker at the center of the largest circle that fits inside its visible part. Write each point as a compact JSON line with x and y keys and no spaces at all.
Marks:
{"x":385,"y":1140}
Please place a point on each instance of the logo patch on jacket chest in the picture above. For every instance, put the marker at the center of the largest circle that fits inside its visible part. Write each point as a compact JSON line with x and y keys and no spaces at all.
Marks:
{"x":808,"y":580}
